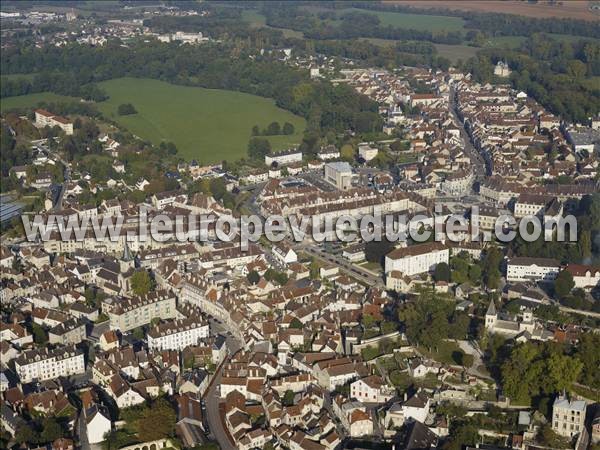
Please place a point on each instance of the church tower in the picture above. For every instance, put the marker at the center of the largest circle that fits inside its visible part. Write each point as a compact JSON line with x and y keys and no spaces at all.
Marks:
{"x":491,"y":316}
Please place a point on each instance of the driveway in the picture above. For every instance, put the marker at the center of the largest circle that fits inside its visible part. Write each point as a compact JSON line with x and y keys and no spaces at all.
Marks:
{"x":476,"y":369}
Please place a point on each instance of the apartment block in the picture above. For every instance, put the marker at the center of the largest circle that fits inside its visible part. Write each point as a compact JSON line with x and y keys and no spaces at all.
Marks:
{"x":46,"y":364}
{"x":130,"y":313}
{"x":415,"y":259}
{"x":177,"y":334}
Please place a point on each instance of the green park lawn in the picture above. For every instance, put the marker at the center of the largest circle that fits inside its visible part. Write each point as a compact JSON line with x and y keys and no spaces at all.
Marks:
{"x":209,"y":125}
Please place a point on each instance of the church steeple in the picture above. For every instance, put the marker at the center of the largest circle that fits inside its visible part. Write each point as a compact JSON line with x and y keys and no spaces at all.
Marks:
{"x":491,"y":311}
{"x":127,"y":260}
{"x":127,"y":256}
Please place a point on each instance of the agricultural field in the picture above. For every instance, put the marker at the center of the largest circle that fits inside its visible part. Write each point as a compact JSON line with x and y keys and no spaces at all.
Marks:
{"x":456,"y":52}
{"x":420,"y":22}
{"x":571,"y":9}
{"x":505,"y":41}
{"x":32,"y":100}
{"x":208,"y":125}
{"x":414,"y":21}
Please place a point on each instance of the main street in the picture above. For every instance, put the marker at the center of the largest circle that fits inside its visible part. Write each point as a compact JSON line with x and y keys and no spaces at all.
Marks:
{"x":212,"y":401}
{"x":477,"y":160}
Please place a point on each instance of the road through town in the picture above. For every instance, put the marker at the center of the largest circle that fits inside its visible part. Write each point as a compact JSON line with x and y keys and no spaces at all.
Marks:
{"x":212,"y":400}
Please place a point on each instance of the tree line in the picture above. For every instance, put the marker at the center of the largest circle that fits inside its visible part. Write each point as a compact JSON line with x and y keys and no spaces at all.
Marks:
{"x":349,"y":25}
{"x":495,"y":24}
{"x":408,"y":53}
{"x":273,"y":129}
{"x":70,"y":84}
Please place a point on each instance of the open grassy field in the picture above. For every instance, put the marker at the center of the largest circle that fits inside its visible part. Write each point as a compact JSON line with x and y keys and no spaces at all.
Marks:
{"x":456,"y":52}
{"x":572,"y":9}
{"x":31,"y":100}
{"x":414,"y":21}
{"x":206,"y":124}
{"x":257,"y":20}
{"x":253,"y":17}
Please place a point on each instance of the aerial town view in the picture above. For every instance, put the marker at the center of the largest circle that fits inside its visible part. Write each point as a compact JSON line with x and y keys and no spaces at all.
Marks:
{"x":303,"y":225}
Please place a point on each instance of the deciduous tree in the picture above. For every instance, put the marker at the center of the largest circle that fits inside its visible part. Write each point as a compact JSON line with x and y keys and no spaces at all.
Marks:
{"x":141,"y":283}
{"x":563,"y":284}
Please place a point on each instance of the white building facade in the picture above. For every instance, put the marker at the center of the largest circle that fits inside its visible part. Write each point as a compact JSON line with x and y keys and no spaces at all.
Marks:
{"x":532,"y":269}
{"x":177,"y":334}
{"x":568,"y":416}
{"x":416,"y":259}
{"x":282,"y":158}
{"x":45,"y":364}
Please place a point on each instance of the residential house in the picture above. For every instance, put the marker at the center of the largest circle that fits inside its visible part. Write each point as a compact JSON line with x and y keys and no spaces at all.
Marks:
{"x":97,"y":422}
{"x":568,"y":416}
{"x":371,"y":389}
